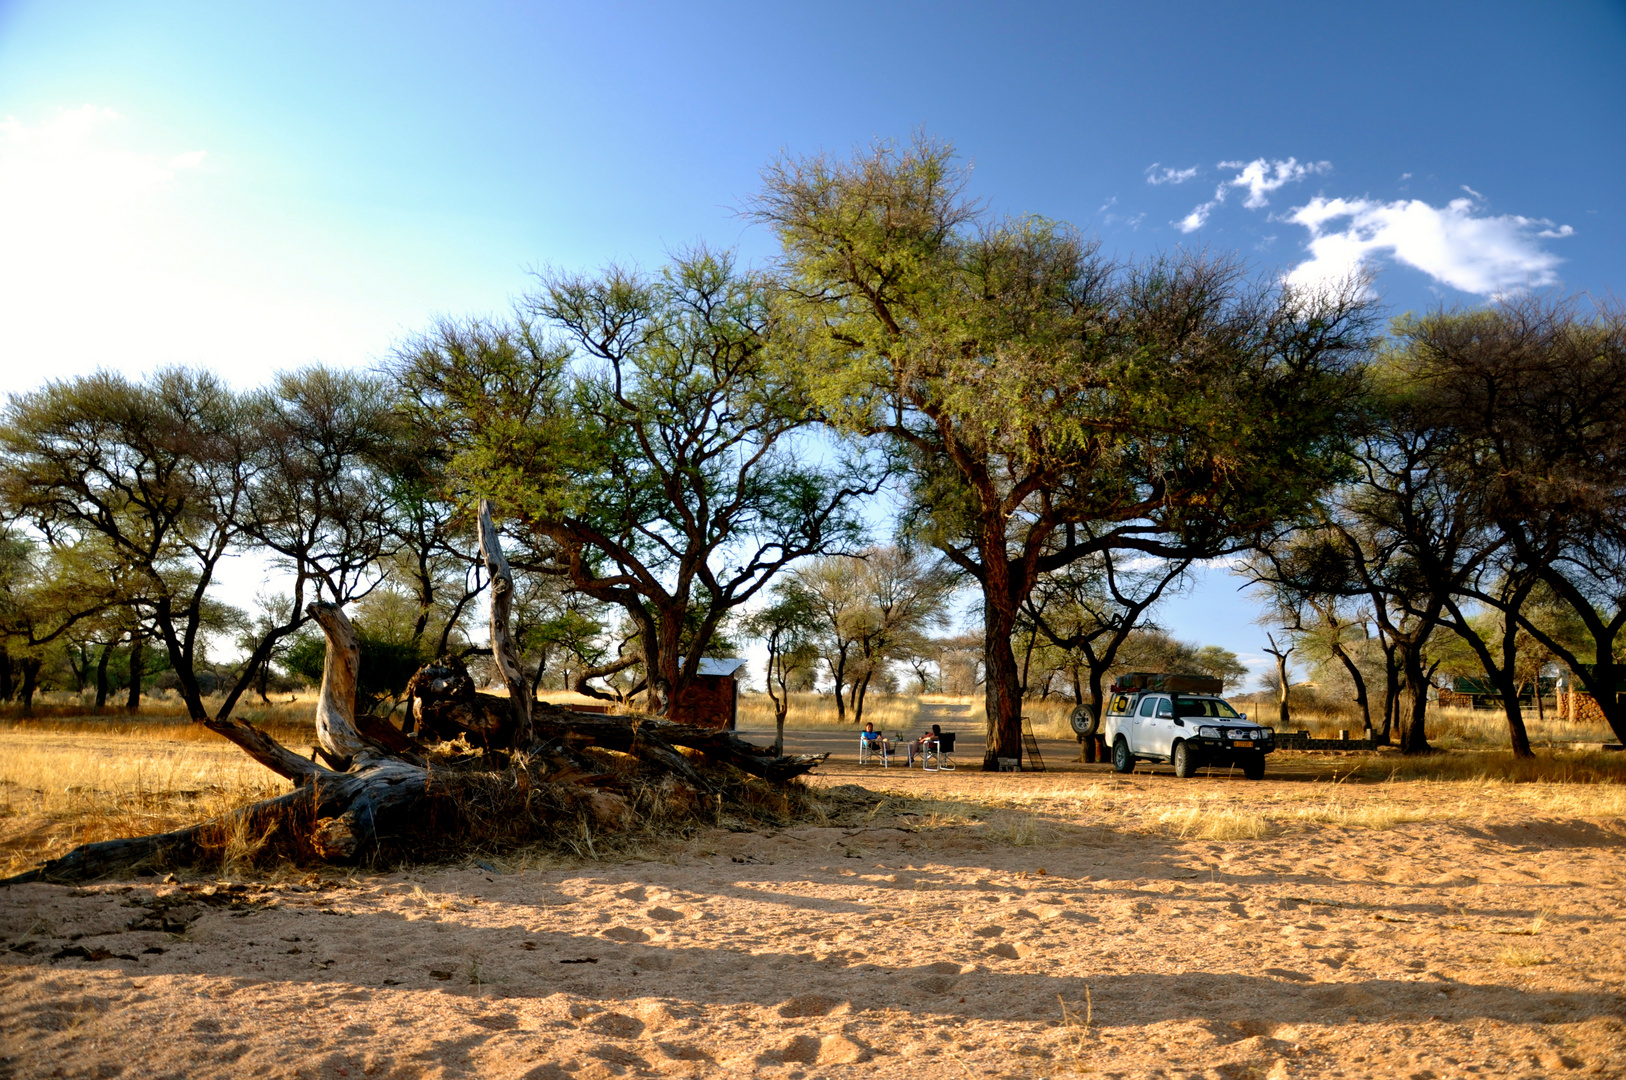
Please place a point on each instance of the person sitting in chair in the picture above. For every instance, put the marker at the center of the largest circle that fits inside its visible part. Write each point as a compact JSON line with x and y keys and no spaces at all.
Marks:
{"x":919,"y":745}
{"x":874,"y":738}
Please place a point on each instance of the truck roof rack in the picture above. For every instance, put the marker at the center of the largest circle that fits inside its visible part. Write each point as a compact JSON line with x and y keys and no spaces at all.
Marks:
{"x":1168,"y":683}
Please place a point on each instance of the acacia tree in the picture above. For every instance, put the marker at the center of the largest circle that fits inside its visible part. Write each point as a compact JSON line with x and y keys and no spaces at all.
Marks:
{"x":648,"y":451}
{"x":1535,"y":389}
{"x":1306,"y":578}
{"x":870,"y":609}
{"x":1090,"y":608}
{"x":787,"y":627}
{"x":829,"y":589}
{"x":1034,"y":387}
{"x":901,"y":600}
{"x":164,"y":479}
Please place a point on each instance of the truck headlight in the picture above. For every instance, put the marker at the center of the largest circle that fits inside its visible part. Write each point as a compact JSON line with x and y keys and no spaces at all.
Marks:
{"x":1208,"y":733}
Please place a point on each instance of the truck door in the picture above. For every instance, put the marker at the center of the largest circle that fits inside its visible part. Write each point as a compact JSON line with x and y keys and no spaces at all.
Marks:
{"x":1141,"y":734}
{"x":1160,"y":729}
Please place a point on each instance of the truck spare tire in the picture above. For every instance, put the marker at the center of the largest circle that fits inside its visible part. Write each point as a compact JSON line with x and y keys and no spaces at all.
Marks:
{"x":1084,"y":721}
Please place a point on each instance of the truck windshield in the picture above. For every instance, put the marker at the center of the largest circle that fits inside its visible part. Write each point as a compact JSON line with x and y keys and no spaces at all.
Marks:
{"x":1184,"y":706}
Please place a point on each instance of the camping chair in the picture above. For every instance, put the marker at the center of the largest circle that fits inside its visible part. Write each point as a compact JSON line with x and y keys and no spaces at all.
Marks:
{"x":938,"y":754}
{"x":874,"y":750}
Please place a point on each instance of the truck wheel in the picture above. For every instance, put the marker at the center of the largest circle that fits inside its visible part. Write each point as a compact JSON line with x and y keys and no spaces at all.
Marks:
{"x":1122,"y":759}
{"x":1253,"y":766}
{"x":1084,"y":721}
{"x":1185,"y":760}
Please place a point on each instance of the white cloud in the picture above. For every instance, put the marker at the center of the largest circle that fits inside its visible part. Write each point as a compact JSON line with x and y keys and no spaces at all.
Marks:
{"x":1261,"y":177}
{"x":1197,"y":218}
{"x":1487,"y":255}
{"x":1168,"y":174}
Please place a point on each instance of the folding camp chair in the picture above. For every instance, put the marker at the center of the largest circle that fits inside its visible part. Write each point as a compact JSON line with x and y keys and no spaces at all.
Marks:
{"x":938,"y":754}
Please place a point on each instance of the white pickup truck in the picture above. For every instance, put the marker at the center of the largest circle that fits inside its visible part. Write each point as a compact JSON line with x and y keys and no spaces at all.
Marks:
{"x":1170,"y":718}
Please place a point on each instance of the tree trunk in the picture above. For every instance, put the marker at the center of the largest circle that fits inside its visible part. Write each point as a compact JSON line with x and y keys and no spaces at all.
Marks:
{"x":860,"y":690}
{"x":502,"y":640}
{"x":345,"y":815}
{"x":840,"y":675}
{"x":1605,"y":677}
{"x":8,"y":688}
{"x":1360,"y":686}
{"x":1281,"y":655}
{"x":138,"y":668}
{"x":1027,"y":658}
{"x":1413,"y":738}
{"x":1098,"y":701}
{"x":262,"y":682}
{"x":101,"y":674}
{"x":781,"y":701}
{"x":580,"y":679}
{"x":1391,"y":693}
{"x":79,"y":664}
{"x":1002,"y":692}
{"x":31,"y":680}
{"x":1518,"y":736}
{"x":336,"y":704}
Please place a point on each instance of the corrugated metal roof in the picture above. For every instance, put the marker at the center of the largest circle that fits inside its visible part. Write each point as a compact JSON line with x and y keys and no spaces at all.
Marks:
{"x":710,"y":665}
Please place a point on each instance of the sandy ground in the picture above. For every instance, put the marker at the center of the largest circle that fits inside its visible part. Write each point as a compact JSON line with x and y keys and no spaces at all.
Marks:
{"x":1063,"y":933}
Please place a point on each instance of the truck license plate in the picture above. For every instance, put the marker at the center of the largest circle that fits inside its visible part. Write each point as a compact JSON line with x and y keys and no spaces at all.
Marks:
{"x":1242,"y":742}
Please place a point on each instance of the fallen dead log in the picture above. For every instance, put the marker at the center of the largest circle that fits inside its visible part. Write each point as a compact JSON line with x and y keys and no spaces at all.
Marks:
{"x":380,"y":786}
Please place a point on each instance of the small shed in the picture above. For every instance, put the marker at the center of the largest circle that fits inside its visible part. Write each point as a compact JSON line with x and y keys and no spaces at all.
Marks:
{"x":713,"y":699}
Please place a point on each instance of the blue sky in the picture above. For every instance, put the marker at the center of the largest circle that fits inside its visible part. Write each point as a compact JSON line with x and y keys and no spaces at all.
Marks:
{"x":254,"y":186}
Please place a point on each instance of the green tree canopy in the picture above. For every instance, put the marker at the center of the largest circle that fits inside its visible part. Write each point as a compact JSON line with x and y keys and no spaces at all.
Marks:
{"x":1051,"y":403}
{"x":636,"y":431}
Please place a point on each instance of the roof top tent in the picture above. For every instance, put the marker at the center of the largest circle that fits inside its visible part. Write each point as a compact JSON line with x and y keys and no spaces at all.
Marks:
{"x":713,"y":699}
{"x":1167,"y":683}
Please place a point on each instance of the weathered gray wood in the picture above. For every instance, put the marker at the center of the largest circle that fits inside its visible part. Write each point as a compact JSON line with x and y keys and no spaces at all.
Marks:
{"x":346,"y":814}
{"x":502,"y":638}
{"x":378,"y":791}
{"x":268,"y":751}
{"x":335,"y":705}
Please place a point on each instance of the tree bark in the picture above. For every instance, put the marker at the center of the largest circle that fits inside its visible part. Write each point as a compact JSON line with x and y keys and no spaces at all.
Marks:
{"x":1391,"y":692}
{"x":1282,"y":714}
{"x":1360,"y":684}
{"x":138,"y":668}
{"x":336,"y":704}
{"x":31,"y":681}
{"x":101,"y":674}
{"x":1413,"y":737}
{"x":580,"y":683}
{"x":1002,"y":691}
{"x":502,"y":639}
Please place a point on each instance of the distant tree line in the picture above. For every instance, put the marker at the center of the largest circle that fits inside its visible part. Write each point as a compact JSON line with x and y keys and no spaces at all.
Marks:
{"x":682,"y":457}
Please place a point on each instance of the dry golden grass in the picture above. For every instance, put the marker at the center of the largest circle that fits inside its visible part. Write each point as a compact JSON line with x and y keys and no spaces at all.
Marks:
{"x":1514,"y":956}
{"x":1449,"y":728}
{"x":71,"y":778}
{"x":1210,"y":823}
{"x":1558,"y":767}
{"x":59,"y":789}
{"x":290,"y":719}
{"x":897,"y":713}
